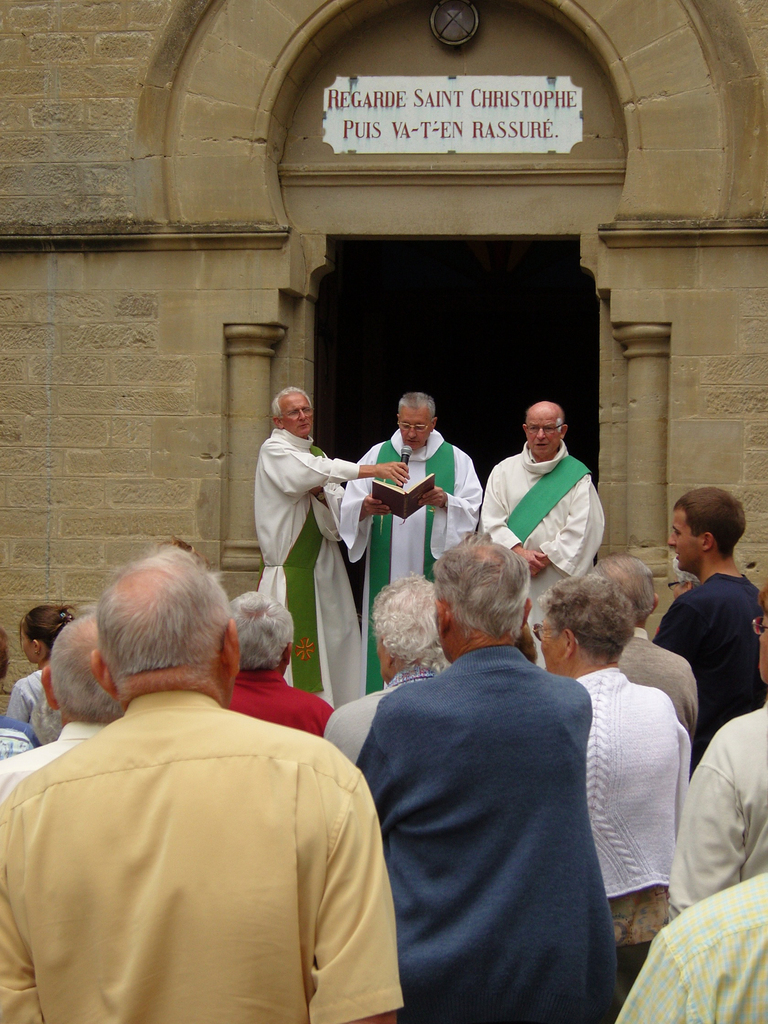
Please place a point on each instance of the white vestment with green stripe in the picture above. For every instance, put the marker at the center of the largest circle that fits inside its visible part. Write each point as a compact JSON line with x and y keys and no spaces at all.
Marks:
{"x":569,"y":535}
{"x":285,"y":474}
{"x":449,"y":524}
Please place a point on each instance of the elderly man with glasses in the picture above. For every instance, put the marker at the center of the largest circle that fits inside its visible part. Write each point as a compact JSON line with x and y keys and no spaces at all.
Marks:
{"x":542,"y":504}
{"x":397,"y":547}
{"x":297,"y":500}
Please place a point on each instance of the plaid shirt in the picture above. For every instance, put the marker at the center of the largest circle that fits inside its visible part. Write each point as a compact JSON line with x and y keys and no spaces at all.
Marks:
{"x":710,"y":964}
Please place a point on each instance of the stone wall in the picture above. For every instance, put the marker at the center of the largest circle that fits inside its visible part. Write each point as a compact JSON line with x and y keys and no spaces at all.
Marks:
{"x":115,"y":412}
{"x":717,"y":319}
{"x":70,"y":78}
{"x":167,"y":209}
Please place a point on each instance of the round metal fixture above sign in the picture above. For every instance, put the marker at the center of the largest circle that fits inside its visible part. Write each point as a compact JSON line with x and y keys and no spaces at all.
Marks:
{"x":454,"y":22}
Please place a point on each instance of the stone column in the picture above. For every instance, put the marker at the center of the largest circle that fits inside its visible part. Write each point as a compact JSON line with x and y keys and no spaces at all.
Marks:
{"x":646,"y":348}
{"x":249,"y":349}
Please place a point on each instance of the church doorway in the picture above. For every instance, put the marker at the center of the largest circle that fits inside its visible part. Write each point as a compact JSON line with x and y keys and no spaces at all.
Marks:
{"x":486,"y":327}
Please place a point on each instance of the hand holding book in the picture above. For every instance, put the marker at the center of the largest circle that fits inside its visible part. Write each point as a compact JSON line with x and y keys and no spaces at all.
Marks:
{"x":403,"y":503}
{"x":437,"y":497}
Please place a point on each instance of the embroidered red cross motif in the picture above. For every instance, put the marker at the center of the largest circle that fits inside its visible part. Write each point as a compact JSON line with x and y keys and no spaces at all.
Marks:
{"x":305,"y":649}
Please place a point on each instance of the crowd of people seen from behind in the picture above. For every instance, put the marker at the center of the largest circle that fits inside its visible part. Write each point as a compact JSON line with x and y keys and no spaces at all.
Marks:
{"x":547,"y":815}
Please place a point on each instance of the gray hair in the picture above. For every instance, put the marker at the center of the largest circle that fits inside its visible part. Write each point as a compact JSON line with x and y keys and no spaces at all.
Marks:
{"x":485,"y":585}
{"x":264,"y":629}
{"x":634,"y":578}
{"x":417,"y":400}
{"x":164,"y":611}
{"x":276,"y":410}
{"x":75,"y":688}
{"x":682,"y":576}
{"x":404,"y":622}
{"x":597,"y":612}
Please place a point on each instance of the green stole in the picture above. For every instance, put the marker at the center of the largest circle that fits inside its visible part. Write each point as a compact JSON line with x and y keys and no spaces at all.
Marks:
{"x":299,"y":568}
{"x":544,"y":495}
{"x":443,"y":466}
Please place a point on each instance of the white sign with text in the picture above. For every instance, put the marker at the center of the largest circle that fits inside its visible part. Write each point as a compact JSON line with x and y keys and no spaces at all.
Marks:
{"x":465,"y":114}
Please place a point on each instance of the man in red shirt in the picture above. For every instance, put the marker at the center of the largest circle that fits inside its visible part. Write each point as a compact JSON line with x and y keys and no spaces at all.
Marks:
{"x":265,"y":632}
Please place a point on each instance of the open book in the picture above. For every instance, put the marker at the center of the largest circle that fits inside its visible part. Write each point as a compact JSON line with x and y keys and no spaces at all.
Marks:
{"x":403,"y":503}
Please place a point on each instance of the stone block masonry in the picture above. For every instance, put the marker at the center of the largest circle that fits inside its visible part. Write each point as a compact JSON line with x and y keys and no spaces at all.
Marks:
{"x":70,"y":78}
{"x":89,"y":396}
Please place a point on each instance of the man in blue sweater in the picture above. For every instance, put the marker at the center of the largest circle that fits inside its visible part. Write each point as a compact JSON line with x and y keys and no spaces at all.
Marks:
{"x":711,"y":625}
{"x":479,"y":778}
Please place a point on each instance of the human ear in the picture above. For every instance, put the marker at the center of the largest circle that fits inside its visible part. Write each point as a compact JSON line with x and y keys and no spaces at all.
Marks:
{"x":103,"y":676}
{"x":230,"y":651}
{"x":444,"y":618}
{"x":45,"y":679}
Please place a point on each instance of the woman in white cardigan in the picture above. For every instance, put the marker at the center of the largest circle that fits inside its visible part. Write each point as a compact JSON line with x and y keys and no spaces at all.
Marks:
{"x":638,"y":759}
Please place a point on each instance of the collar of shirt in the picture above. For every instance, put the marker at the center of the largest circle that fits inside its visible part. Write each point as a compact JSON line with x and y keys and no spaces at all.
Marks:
{"x":162,"y":700}
{"x":79,"y":731}
{"x":253,"y":677}
{"x":542,"y":468}
{"x":409,"y":675}
{"x":302,"y":443}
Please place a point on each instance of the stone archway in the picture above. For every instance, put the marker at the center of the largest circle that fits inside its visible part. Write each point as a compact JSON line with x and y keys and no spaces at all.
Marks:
{"x":684,"y":74}
{"x":224,"y":90}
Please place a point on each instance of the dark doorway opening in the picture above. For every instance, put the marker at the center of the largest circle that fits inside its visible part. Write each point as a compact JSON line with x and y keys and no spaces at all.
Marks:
{"x":486,"y":327}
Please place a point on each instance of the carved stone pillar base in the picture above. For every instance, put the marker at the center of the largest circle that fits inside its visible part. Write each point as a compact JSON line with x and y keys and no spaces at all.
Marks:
{"x":240,"y":556}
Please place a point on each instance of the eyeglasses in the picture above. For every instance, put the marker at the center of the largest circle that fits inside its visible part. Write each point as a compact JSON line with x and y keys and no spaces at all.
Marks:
{"x":549,"y":428}
{"x":540,"y":634}
{"x":418,"y":427}
{"x":295,"y":413}
{"x":759,"y":625}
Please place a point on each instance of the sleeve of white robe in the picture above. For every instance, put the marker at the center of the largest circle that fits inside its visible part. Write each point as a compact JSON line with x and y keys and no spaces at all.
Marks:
{"x":460,"y":516}
{"x":284,"y":478}
{"x":334,"y":494}
{"x":295,"y":472}
{"x":576,"y":542}
{"x":354,"y":531}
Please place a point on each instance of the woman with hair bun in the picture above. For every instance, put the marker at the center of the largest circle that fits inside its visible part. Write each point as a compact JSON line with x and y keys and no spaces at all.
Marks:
{"x":37,"y":632}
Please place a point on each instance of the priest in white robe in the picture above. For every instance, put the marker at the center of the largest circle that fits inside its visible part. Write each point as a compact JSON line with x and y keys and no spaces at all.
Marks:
{"x":401,"y":547}
{"x":297,"y":502}
{"x":561,"y":534}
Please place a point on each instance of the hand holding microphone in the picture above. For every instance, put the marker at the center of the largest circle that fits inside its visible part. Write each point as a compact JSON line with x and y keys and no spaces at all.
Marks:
{"x":397,"y":472}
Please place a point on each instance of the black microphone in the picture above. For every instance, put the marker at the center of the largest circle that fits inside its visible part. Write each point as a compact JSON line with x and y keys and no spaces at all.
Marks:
{"x":406,"y":454}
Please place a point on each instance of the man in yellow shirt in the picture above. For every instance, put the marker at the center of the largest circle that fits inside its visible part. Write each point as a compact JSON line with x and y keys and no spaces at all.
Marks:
{"x":189,"y":863}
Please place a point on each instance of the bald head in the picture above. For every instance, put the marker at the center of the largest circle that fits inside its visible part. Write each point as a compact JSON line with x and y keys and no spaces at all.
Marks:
{"x":162,"y":626}
{"x":76,"y":691}
{"x":544,"y":429}
{"x":550,"y":410}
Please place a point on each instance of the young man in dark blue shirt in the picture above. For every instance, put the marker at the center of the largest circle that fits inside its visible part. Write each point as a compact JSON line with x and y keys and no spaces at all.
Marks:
{"x":711,"y":625}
